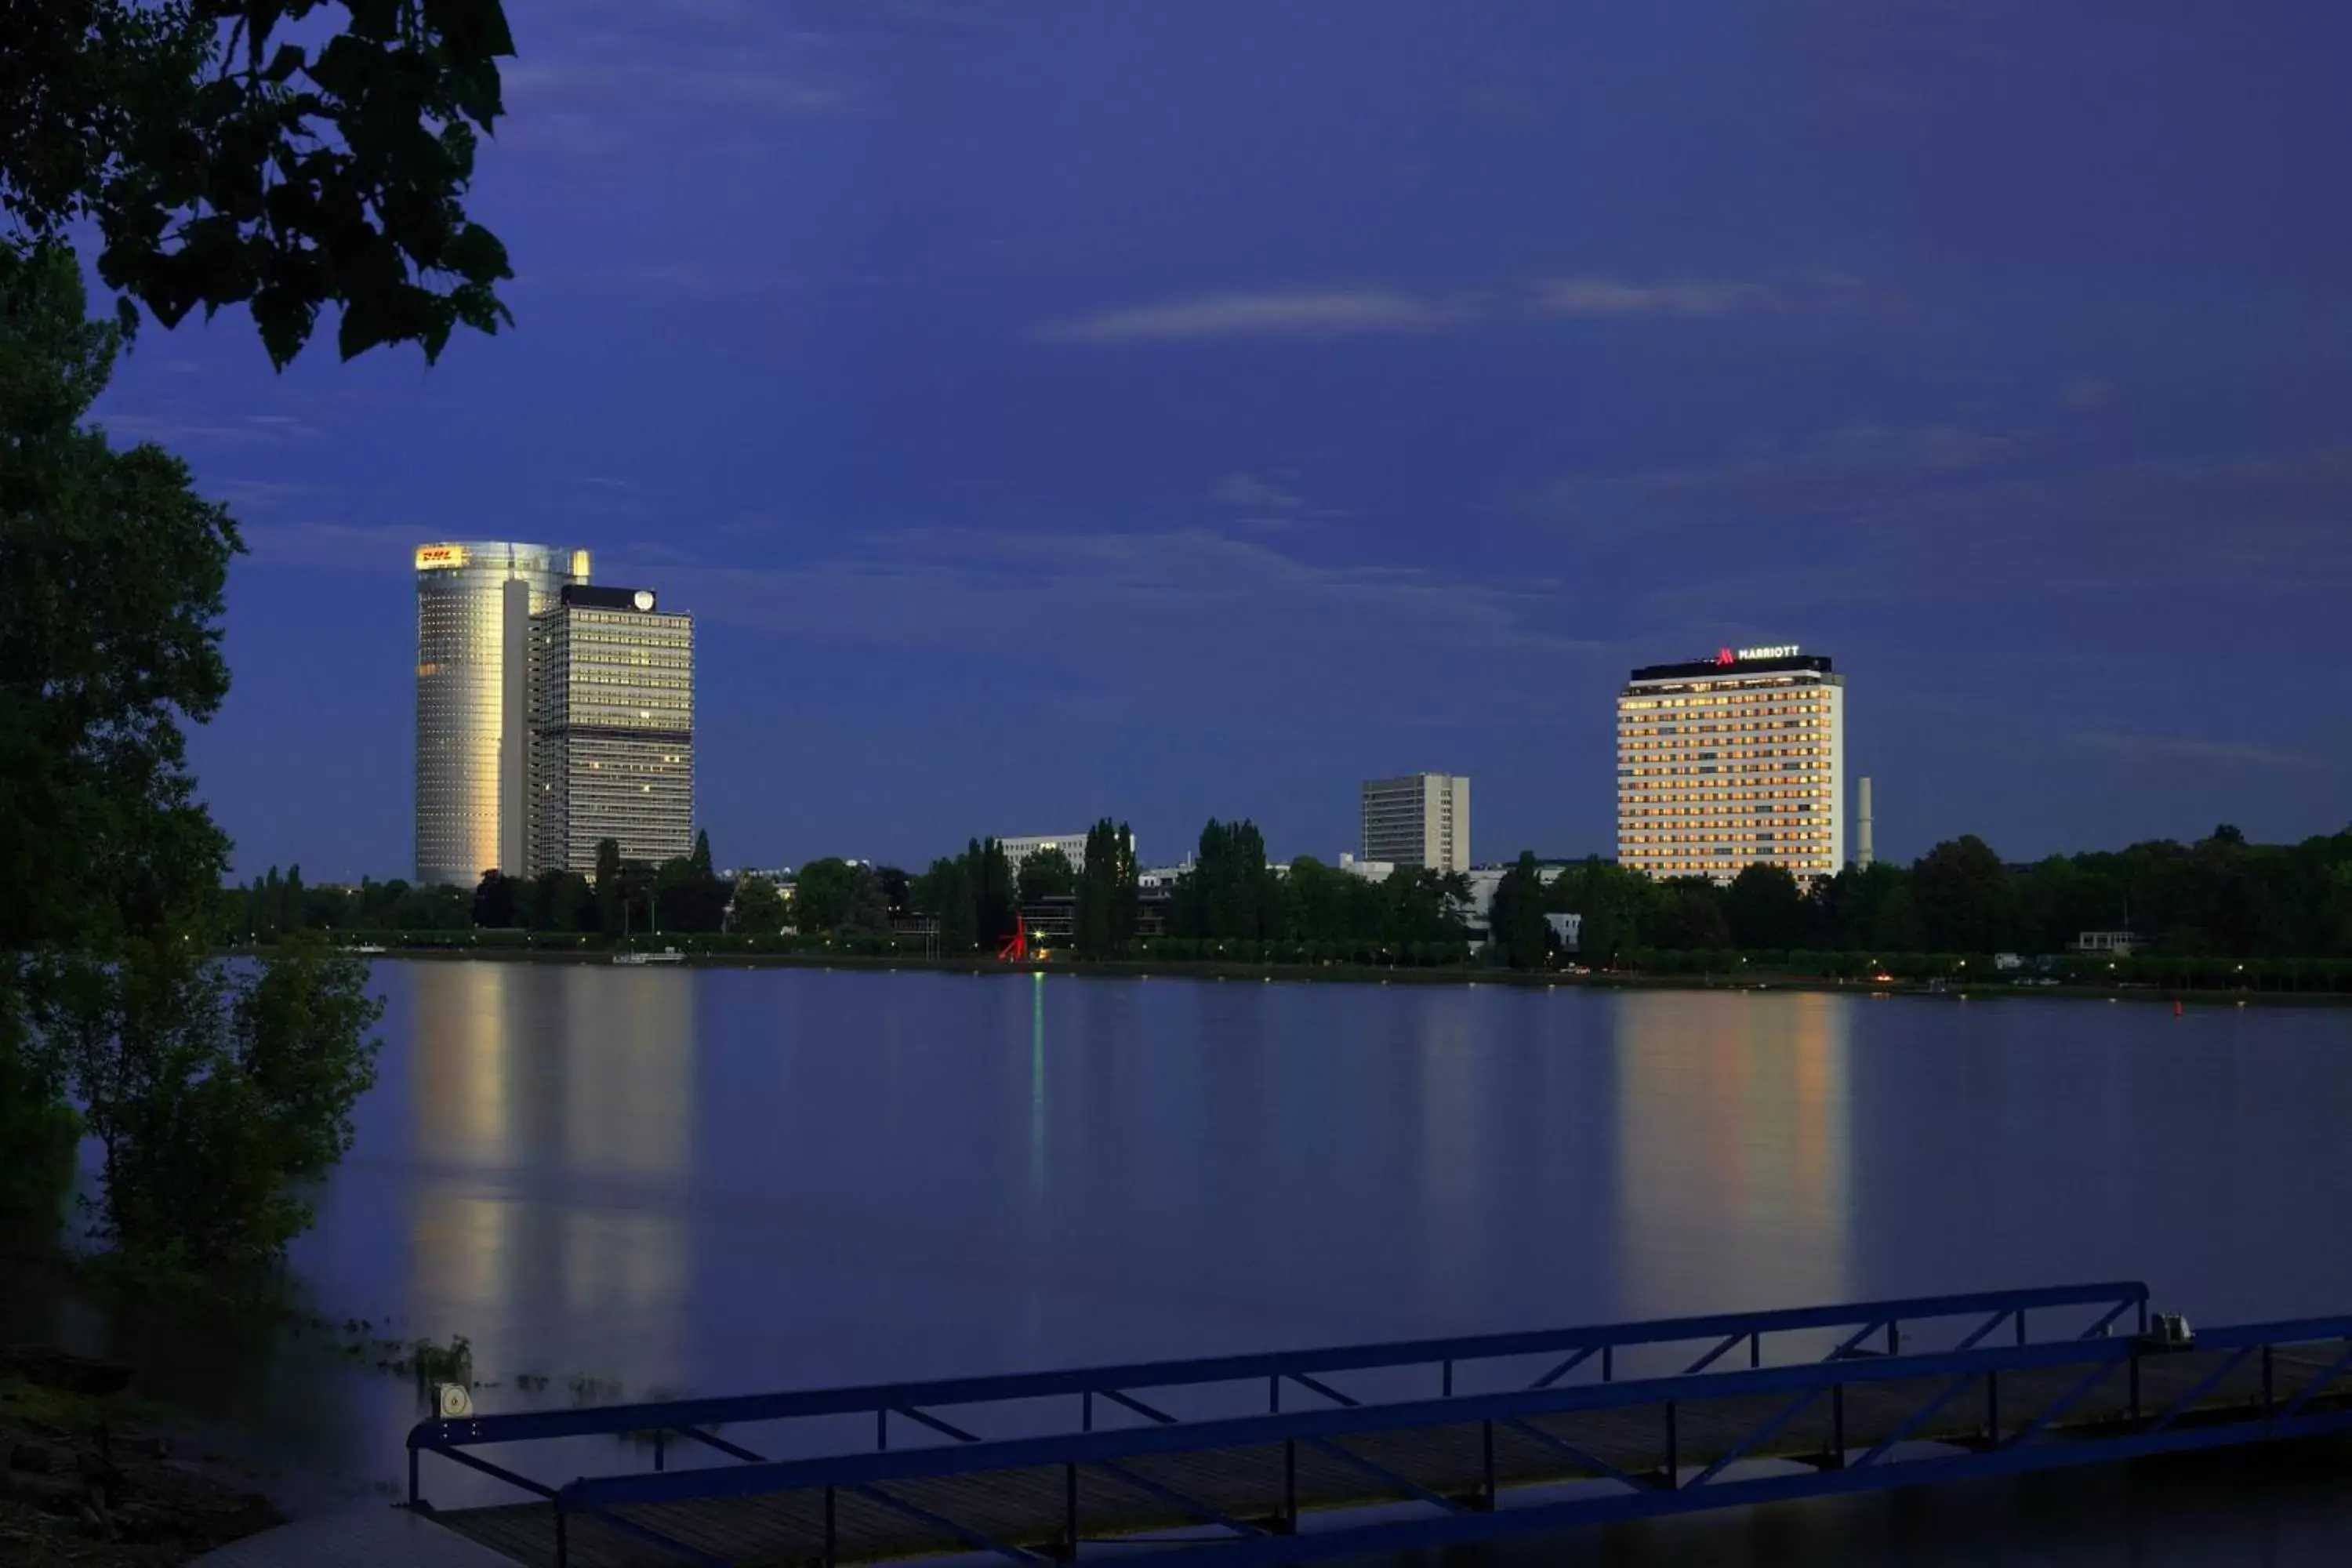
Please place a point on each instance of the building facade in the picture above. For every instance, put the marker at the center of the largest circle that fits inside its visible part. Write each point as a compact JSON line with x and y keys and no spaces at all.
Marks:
{"x":612,"y":729}
{"x":1421,"y":821}
{"x":1072,"y":844}
{"x":474,"y":605}
{"x":1725,"y":762}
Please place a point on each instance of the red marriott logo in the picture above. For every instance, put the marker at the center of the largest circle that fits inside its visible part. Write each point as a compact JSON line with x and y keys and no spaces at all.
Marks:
{"x":1724,"y":656}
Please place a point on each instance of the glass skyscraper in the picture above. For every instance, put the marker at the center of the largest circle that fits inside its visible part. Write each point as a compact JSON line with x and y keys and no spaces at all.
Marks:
{"x":612,"y":729}
{"x":474,"y":605}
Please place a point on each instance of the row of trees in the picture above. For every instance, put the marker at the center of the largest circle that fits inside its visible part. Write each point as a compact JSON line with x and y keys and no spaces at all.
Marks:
{"x":682,"y":894}
{"x":2220,"y":897}
{"x":1231,"y":894}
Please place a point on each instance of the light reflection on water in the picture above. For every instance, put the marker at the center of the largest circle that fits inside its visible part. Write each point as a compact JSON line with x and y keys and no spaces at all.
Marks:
{"x":727,"y":1181}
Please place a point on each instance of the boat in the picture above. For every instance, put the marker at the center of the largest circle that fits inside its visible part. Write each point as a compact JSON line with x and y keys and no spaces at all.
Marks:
{"x":667,"y":955}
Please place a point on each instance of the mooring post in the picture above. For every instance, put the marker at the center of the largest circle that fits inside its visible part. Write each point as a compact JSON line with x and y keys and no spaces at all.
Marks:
{"x":1290,"y":1486}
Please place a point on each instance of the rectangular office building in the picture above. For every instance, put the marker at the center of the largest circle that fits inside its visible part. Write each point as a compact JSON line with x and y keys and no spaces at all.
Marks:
{"x":612,"y":734}
{"x":1728,"y":761}
{"x":1421,"y":821}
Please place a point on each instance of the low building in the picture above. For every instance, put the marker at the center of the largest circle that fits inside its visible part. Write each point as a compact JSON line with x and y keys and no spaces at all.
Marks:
{"x":2114,"y":943}
{"x":1053,"y":921}
{"x":1567,"y":931}
{"x":1369,"y":870}
{"x":1479,"y":913}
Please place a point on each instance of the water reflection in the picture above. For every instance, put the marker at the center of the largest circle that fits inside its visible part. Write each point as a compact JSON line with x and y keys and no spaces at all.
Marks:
{"x":553,"y":1109}
{"x":736,"y":1179}
{"x":1733,"y":1149}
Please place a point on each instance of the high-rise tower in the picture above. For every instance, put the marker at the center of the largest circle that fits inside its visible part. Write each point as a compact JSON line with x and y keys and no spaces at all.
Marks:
{"x":474,"y":605}
{"x":1725,"y":762}
{"x":612,"y":729}
{"x":1422,"y":820}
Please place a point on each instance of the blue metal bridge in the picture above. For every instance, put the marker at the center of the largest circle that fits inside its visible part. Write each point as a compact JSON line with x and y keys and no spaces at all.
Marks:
{"x":1301,"y":1455}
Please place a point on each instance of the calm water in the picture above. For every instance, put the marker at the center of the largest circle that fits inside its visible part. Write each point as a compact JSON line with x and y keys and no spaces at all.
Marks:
{"x":725,"y":1181}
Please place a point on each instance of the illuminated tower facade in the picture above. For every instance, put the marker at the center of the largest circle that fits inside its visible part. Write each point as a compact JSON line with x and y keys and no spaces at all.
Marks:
{"x":474,"y":605}
{"x":1728,"y":761}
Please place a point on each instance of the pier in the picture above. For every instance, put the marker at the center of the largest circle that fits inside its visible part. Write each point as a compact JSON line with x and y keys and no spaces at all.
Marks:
{"x":1299,"y":1455}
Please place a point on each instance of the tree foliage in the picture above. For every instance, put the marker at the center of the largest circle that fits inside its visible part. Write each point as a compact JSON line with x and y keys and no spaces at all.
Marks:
{"x":2220,"y":897}
{"x":1102,"y":924}
{"x":112,"y":572}
{"x":944,"y":892}
{"x":1046,"y":874}
{"x":1521,"y":936}
{"x":758,"y":906}
{"x":1229,"y":895}
{"x":1765,"y":908}
{"x":213,"y":1095}
{"x":282,"y":154}
{"x":825,"y":894}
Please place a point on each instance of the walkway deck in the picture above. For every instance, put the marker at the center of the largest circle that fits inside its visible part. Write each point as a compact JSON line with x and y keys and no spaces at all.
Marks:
{"x":1884,"y":1398}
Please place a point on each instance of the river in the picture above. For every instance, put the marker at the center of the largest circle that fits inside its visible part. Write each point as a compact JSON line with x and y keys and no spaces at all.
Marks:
{"x":639,"y":1180}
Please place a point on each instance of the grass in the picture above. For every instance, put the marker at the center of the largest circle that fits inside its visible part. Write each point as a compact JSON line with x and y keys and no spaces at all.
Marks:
{"x":31,"y":1404}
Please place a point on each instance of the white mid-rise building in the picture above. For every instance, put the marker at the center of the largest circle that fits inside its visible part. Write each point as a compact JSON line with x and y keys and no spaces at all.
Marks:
{"x":1725,"y":762}
{"x":1421,"y":821}
{"x":1073,"y":847}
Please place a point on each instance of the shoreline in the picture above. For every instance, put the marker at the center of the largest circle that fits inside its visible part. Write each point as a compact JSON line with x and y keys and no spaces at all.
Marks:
{"x":1372,"y":974}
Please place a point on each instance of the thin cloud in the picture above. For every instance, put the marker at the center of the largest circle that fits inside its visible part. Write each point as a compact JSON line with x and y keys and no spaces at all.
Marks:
{"x":1608,"y":296}
{"x":1844,"y":472}
{"x":1250,"y":493}
{"x":2089,"y":393}
{"x":1335,"y":314}
{"x":1149,"y":593}
{"x":2191,"y":749}
{"x":375,"y":549}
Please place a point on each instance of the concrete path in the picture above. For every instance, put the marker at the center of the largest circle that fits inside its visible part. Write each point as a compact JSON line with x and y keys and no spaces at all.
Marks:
{"x":368,"y":1537}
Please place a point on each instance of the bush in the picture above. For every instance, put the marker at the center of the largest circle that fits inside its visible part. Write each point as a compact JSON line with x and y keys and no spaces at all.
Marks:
{"x":214,"y":1094}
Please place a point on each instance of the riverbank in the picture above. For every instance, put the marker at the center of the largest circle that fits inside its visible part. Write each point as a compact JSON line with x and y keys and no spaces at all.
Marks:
{"x":91,"y":1477}
{"x":1758,"y":978}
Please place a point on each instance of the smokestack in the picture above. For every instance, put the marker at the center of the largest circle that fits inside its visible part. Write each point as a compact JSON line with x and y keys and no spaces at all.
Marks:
{"x":1862,"y":855}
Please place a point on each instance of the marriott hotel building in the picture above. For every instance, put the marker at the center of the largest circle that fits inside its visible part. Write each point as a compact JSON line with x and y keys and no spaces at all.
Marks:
{"x":1728,"y":761}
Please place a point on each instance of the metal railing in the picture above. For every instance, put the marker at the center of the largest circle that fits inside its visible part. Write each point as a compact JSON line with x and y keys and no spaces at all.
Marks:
{"x":1870,"y":1327}
{"x":1842,"y":1344}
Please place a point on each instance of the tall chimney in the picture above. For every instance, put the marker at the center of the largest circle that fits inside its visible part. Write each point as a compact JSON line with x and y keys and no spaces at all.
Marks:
{"x":1862,"y":855}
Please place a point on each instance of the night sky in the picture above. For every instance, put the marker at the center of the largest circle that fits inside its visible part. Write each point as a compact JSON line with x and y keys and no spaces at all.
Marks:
{"x":1189,"y":408}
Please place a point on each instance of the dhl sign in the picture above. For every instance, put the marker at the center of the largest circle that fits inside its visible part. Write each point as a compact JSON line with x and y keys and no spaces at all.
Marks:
{"x":432,"y":555}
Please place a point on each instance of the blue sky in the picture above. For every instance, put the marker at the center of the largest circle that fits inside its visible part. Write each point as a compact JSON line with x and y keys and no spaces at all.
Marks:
{"x":1168,"y":410}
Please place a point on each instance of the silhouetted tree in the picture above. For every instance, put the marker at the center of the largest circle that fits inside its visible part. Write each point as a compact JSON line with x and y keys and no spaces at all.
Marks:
{"x":1764,"y":909}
